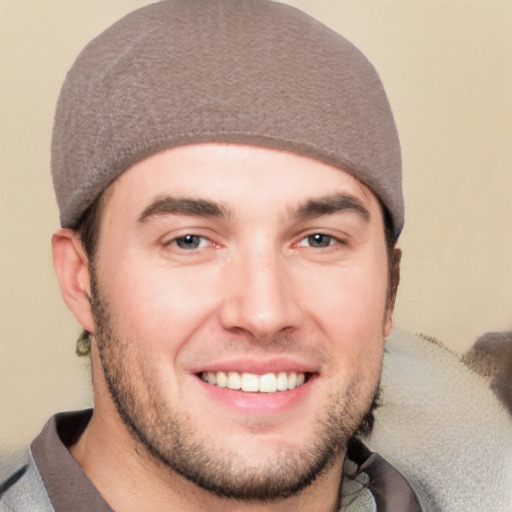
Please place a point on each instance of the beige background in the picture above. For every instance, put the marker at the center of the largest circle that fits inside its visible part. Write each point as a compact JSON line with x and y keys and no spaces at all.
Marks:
{"x":447,"y":66}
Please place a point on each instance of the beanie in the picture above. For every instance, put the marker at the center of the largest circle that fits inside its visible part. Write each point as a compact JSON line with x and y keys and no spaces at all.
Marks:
{"x":251,"y":72}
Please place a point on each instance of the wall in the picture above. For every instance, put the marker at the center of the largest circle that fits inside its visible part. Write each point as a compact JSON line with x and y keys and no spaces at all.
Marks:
{"x":447,"y":68}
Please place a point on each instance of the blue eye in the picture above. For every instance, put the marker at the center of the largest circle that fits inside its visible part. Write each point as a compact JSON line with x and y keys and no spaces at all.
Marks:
{"x":318,"y":240}
{"x":190,"y":242}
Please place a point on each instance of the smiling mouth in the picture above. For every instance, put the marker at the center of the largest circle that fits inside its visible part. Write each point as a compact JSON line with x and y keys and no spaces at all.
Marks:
{"x":253,"y":383}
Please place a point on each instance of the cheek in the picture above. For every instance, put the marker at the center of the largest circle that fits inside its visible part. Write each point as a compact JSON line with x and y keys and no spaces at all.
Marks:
{"x":351,"y":310}
{"x":157,"y":306}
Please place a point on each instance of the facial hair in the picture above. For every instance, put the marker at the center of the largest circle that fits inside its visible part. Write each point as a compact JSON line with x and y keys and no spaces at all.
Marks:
{"x":171,"y":440}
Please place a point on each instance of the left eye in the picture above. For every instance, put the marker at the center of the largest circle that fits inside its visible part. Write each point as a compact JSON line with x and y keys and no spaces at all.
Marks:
{"x":191,"y":242}
{"x":317,"y":240}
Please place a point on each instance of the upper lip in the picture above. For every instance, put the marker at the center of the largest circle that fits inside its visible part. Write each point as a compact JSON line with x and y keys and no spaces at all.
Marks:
{"x":257,"y":366}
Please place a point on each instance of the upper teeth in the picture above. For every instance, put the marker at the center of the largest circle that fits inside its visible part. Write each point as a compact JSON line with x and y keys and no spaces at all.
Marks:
{"x":250,"y":382}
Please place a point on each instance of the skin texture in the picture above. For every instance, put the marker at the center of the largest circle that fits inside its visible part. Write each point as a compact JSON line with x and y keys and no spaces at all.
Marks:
{"x":287,"y":270}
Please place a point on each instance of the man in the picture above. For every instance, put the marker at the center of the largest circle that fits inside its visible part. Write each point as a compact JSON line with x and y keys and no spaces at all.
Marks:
{"x":229,"y":183}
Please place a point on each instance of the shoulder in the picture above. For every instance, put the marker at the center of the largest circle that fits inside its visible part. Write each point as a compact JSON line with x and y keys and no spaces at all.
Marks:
{"x":21,"y":487}
{"x":443,"y":428}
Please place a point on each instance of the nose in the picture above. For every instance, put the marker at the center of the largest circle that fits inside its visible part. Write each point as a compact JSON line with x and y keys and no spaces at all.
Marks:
{"x":260,"y":297}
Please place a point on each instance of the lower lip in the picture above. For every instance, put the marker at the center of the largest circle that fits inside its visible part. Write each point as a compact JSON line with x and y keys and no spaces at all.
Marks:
{"x":259,"y":403}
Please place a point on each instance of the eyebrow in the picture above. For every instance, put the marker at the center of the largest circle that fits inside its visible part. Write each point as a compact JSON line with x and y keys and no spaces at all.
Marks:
{"x":328,"y":205}
{"x":167,"y":205}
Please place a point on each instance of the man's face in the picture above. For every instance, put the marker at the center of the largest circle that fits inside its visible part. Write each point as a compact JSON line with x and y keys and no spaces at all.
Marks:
{"x":221,"y":266}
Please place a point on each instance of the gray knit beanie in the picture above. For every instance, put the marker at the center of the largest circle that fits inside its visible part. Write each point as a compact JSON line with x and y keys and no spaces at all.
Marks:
{"x":241,"y":71}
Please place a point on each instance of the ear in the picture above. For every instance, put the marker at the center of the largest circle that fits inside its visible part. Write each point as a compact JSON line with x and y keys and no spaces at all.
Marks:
{"x":72,"y":268}
{"x":394,"y":281}
{"x":388,"y":322}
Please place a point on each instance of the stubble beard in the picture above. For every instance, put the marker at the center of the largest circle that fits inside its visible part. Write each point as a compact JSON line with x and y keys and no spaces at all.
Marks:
{"x":172,"y":442}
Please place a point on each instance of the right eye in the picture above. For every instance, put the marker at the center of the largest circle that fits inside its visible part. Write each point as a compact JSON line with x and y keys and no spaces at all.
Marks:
{"x":190,"y":242}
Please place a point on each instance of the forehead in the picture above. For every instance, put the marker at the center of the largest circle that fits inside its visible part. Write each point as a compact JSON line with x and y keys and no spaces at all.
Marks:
{"x":234,"y":174}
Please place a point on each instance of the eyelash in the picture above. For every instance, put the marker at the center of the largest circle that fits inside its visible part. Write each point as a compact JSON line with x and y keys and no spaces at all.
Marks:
{"x":334,"y":242}
{"x":176,"y":241}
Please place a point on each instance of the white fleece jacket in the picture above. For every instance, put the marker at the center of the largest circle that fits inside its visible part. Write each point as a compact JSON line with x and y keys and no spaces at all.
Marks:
{"x":443,"y":428}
